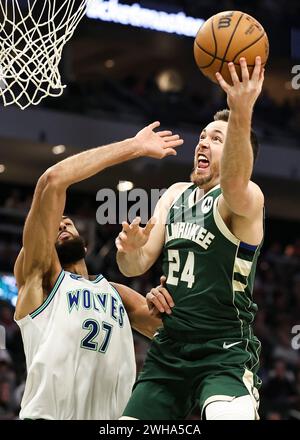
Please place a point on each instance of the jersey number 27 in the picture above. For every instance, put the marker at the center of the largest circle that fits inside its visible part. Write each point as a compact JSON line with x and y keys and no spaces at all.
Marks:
{"x":94,"y":328}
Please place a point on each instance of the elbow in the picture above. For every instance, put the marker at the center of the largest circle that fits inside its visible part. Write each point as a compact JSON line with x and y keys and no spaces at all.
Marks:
{"x":51,"y":179}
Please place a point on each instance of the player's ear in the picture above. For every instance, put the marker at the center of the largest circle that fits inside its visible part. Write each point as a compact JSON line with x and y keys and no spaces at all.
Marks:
{"x":85,"y":249}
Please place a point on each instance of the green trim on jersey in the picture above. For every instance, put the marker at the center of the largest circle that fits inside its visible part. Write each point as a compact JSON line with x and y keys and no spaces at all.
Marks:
{"x":50,"y":296}
{"x":98,"y":278}
{"x":118,"y":294}
{"x":210,"y":273}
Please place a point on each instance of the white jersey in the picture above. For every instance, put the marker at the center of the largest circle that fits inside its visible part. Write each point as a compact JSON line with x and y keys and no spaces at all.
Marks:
{"x":79,"y":353}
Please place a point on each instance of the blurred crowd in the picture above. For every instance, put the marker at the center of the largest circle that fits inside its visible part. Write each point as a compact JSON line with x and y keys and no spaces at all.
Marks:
{"x":277,"y":293}
{"x":184,"y":97}
{"x":136,"y":97}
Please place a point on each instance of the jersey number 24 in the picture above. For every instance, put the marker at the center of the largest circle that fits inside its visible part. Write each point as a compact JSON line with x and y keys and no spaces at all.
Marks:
{"x":187,"y":274}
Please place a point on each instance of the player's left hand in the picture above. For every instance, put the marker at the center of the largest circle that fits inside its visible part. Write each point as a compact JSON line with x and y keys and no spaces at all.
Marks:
{"x":159,"y":300}
{"x":242,"y":95}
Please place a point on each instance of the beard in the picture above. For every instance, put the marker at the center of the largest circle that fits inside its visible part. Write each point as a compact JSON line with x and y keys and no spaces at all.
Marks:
{"x":199,"y":180}
{"x":70,"y":251}
{"x":209,"y":180}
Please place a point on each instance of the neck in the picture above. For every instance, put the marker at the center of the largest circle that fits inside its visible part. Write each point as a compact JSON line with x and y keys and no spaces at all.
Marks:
{"x":209,"y":185}
{"x":203,"y":189}
{"x":79,"y":268}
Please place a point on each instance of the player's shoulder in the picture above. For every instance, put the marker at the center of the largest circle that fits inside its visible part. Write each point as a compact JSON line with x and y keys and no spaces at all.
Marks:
{"x":256,"y":190}
{"x":178,"y":187}
{"x":174,"y":191}
{"x":171,"y":194}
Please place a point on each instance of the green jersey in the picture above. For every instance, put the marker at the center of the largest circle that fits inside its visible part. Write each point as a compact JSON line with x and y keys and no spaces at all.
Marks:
{"x":210,"y":273}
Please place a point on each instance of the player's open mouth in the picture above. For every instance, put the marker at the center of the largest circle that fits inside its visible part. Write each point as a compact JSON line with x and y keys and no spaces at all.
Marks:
{"x":64,"y":236}
{"x":203,"y":162}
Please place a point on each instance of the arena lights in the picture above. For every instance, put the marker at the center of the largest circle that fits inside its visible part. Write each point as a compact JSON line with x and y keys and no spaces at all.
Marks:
{"x":138,"y":16}
{"x":58,"y":149}
{"x":125,"y":185}
{"x":109,"y":64}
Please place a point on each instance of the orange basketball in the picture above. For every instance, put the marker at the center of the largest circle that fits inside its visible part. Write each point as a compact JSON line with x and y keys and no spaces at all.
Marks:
{"x":226,"y":37}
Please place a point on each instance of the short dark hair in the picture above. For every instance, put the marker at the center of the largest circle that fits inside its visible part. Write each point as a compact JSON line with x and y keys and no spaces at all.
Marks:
{"x":223,"y":115}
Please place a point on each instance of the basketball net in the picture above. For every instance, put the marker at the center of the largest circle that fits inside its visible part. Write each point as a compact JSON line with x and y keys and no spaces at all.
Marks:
{"x":32,"y":36}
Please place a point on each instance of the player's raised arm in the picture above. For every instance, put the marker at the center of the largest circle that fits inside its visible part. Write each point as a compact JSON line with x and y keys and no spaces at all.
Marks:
{"x":146,"y":143}
{"x":242,"y":196}
{"x":38,"y":256}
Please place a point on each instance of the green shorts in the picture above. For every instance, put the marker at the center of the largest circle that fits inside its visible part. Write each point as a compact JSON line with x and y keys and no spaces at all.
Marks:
{"x":178,"y":375}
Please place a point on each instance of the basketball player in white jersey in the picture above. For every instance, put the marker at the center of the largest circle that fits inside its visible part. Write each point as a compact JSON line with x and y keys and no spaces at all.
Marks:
{"x":76,"y":331}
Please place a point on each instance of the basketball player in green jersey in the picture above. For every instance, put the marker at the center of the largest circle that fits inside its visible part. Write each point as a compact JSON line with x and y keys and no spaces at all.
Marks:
{"x":210,"y":232}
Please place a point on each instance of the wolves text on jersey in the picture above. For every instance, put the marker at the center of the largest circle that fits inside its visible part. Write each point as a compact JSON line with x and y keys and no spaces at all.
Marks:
{"x":105,"y":302}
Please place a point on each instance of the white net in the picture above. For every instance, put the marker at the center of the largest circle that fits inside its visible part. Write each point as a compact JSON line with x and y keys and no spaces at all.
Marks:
{"x":32,"y":36}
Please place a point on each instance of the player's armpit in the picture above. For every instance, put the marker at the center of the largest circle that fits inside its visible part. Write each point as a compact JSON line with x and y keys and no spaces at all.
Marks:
{"x":31,"y":288}
{"x":30,"y":295}
{"x":18,"y":269}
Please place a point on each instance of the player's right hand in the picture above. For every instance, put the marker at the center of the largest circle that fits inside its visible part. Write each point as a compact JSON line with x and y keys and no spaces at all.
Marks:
{"x":159,"y":300}
{"x":133,"y":236}
{"x":157,"y":144}
{"x":242,"y":95}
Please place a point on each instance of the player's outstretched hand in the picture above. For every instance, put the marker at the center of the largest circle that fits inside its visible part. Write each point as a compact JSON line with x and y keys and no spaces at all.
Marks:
{"x":159,"y":300}
{"x":242,"y":95}
{"x":158,"y":144}
{"x":133,"y":236}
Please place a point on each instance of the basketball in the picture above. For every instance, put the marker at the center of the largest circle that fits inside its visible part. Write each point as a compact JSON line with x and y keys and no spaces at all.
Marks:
{"x":226,"y":37}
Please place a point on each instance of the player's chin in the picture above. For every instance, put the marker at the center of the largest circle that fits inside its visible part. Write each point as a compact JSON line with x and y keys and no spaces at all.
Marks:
{"x":200,"y":174}
{"x":61,"y":241}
